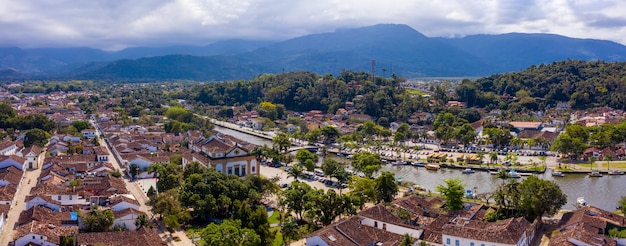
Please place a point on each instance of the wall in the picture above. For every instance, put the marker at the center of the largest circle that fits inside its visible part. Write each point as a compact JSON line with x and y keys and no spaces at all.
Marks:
{"x":396,"y":229}
{"x":39,"y":240}
{"x":315,"y":240}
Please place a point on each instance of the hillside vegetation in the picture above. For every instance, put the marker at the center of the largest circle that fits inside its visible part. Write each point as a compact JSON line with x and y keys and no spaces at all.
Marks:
{"x":582,"y":84}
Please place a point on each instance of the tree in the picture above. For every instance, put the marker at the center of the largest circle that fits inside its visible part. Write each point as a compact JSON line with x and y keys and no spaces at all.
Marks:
{"x":98,"y":220}
{"x":302,"y":155}
{"x":622,"y":204}
{"x":531,"y":198}
{"x":325,"y":207}
{"x":229,"y":232}
{"x":407,"y":240}
{"x":330,"y":133}
{"x":290,"y":230}
{"x":80,"y":125}
{"x":608,"y":158}
{"x":142,"y":221}
{"x":366,"y":162}
{"x":386,"y":187}
{"x":295,"y":171}
{"x":167,"y":204}
{"x":295,"y":198}
{"x":36,"y":137}
{"x":364,"y":188}
{"x":493,"y":157}
{"x":281,"y":142}
{"x":133,"y":170}
{"x":539,"y":197}
{"x":452,"y":193}
{"x":568,"y":146}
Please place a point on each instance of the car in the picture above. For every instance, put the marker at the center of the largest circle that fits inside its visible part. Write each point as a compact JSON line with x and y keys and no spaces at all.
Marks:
{"x":284,"y":185}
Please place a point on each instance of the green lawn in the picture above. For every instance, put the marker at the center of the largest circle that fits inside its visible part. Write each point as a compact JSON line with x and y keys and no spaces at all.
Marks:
{"x":415,"y":92}
{"x":278,"y":240}
{"x":274,"y":218}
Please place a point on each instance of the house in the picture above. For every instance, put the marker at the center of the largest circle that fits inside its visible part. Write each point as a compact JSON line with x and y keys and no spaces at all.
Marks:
{"x":230,"y":155}
{"x":142,"y":236}
{"x":7,"y":147}
{"x":522,"y":125}
{"x":126,"y":218}
{"x":42,"y":226}
{"x":13,"y":160}
{"x":512,"y":231}
{"x":102,"y":154}
{"x":456,"y":104}
{"x":119,"y":203}
{"x":351,"y":232}
{"x":32,"y":155}
{"x":588,"y":226}
{"x":89,"y":133}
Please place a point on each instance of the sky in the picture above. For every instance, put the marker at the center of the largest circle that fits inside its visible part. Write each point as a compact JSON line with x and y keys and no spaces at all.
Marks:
{"x":117,"y":24}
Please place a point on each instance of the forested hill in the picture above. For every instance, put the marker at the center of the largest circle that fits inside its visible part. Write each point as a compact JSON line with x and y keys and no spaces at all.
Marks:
{"x":582,"y":84}
{"x":396,"y":48}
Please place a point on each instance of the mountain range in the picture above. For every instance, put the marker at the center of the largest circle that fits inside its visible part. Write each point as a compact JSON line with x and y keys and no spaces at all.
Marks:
{"x":396,"y":48}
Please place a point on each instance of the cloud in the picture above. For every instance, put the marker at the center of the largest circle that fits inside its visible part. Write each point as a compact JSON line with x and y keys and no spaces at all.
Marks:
{"x":112,"y":24}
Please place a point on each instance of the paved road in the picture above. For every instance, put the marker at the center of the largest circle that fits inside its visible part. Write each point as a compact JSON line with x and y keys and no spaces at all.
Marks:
{"x":29,"y":179}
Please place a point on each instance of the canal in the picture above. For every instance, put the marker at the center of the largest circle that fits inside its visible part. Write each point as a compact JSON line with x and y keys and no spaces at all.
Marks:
{"x":601,"y":192}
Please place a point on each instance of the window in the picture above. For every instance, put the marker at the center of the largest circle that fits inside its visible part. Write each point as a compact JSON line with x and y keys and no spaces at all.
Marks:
{"x":59,"y":197}
{"x":456,"y":242}
{"x":33,"y":237}
{"x":384,"y":226}
{"x":253,"y":169}
{"x":447,"y":240}
{"x":375,"y":223}
{"x":70,"y":197}
{"x":472,"y":244}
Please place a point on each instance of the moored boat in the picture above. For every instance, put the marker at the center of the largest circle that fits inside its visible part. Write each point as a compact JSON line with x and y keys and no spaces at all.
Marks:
{"x":514,"y":174}
{"x":418,"y":164}
{"x":595,"y":173}
{"x":616,"y":172}
{"x":431,"y":167}
{"x":468,"y":171}
{"x":580,"y":202}
{"x":557,"y":174}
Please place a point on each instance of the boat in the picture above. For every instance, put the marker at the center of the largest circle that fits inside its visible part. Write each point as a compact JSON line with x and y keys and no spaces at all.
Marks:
{"x":580,"y":202}
{"x":468,"y":171}
{"x":595,"y":173}
{"x":557,"y":174}
{"x":616,"y":172}
{"x":431,"y":167}
{"x":513,"y":174}
{"x":418,"y":164}
{"x":398,"y":163}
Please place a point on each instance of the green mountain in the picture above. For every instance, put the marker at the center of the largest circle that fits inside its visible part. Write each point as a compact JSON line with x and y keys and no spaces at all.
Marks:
{"x":396,"y":49}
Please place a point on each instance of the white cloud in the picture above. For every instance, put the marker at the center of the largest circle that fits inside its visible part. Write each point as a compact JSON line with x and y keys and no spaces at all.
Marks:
{"x":114,"y":24}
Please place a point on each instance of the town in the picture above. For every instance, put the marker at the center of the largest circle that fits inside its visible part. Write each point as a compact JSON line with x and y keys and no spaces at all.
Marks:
{"x":149,"y":164}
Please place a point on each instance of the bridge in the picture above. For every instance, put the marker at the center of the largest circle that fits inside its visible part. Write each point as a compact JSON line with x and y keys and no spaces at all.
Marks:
{"x":311,"y":148}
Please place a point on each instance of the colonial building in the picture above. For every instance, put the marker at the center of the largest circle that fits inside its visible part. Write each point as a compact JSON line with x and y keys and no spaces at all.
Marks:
{"x":226,"y":154}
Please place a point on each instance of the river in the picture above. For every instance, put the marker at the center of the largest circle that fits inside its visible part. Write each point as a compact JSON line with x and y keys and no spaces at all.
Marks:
{"x":601,"y":192}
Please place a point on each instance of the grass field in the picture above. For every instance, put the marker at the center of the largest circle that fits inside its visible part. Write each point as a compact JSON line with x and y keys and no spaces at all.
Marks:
{"x":274,"y":218}
{"x":415,"y":92}
{"x":603,"y":165}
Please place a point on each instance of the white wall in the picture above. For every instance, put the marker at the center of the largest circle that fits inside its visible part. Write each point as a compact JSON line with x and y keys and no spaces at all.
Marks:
{"x":38,"y":239}
{"x":70,"y":200}
{"x":127,"y":221}
{"x":396,"y":229}
{"x":467,"y":242}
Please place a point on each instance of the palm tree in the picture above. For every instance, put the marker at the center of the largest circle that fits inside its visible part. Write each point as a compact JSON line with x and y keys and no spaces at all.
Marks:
{"x":493,"y":156}
{"x":591,"y":161}
{"x":290,"y":230}
{"x":480,"y":156}
{"x":295,"y":171}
